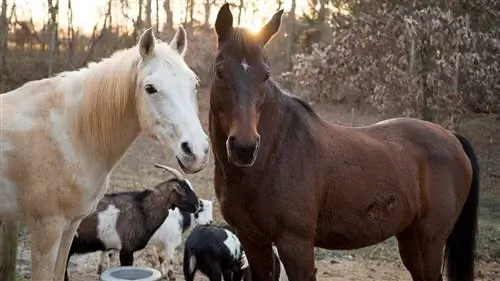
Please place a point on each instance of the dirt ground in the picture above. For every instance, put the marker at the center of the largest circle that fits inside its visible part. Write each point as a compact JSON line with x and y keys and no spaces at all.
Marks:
{"x":137,"y":172}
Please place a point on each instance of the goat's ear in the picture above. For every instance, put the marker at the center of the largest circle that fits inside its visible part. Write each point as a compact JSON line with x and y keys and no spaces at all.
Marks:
{"x":179,"y":42}
{"x":180,"y":190}
{"x":224,"y":23}
{"x":271,"y":28}
{"x":147,"y":43}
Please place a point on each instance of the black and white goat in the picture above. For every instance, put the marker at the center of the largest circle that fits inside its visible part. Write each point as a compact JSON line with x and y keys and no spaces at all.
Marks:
{"x":125,"y":221}
{"x":217,"y":252}
{"x":168,"y":237}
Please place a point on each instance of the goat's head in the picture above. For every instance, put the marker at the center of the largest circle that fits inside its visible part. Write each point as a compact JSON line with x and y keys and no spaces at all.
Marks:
{"x":205,"y":214}
{"x":182,"y":195}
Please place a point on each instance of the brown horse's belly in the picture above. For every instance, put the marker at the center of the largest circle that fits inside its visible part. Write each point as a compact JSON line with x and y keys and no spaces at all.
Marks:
{"x":353,"y":226}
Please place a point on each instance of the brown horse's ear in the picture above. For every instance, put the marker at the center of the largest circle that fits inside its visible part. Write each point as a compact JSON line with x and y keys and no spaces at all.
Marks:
{"x":271,"y":28}
{"x":224,"y":23}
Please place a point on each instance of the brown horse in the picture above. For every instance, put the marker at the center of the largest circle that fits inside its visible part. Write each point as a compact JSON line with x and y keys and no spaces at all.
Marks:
{"x":285,"y":175}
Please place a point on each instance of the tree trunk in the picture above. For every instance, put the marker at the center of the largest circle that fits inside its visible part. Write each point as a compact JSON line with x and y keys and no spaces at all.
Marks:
{"x":53,"y":12}
{"x":191,"y":12}
{"x":426,"y":68}
{"x":9,"y":250}
{"x":110,"y":9}
{"x":240,"y":11}
{"x":291,"y":36}
{"x":206,"y":21}
{"x":323,"y":10}
{"x":280,"y":4}
{"x":70,"y":33}
{"x":148,"y":13}
{"x":168,"y":13}
{"x":138,"y":21}
{"x":4,"y":32}
{"x":157,"y":16}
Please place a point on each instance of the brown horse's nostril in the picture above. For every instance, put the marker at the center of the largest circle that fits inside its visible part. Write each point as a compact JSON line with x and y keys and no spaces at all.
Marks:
{"x":243,"y":150}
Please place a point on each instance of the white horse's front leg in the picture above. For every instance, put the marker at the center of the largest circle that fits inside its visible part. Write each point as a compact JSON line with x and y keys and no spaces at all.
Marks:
{"x":64,"y":246}
{"x":46,"y":235}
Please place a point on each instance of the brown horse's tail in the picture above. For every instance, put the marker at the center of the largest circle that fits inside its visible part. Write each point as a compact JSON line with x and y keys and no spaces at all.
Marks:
{"x":461,"y":245}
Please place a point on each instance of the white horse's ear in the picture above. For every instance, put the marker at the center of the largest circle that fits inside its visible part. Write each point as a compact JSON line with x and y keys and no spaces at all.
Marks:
{"x":179,"y":42}
{"x":147,"y":43}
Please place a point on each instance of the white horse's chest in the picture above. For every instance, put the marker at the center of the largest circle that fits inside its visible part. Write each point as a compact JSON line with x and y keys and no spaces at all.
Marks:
{"x":50,"y":162}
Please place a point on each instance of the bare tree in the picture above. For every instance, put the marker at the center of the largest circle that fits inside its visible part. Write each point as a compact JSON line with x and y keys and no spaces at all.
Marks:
{"x":110,"y":9}
{"x":323,"y":10}
{"x":208,"y":5}
{"x":70,"y":33}
{"x":291,"y":36}
{"x":138,"y":21}
{"x":280,"y":4}
{"x":189,"y":13}
{"x":148,"y":13}
{"x":169,"y":14}
{"x":4,"y":31}
{"x":53,"y":9}
{"x":9,"y":231}
{"x":240,"y":11}
{"x":157,"y":16}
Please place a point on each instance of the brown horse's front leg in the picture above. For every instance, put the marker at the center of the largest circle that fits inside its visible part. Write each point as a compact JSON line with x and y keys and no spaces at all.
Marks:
{"x":297,"y":255}
{"x":260,"y":258}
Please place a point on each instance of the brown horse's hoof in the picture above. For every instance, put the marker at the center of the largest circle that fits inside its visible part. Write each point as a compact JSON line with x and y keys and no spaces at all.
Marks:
{"x":171,"y":275}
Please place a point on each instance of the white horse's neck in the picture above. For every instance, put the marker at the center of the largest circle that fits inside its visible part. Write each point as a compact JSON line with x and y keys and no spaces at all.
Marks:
{"x":105,"y":120}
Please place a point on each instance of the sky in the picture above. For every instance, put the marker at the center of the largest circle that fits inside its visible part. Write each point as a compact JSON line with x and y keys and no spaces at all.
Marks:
{"x":86,"y":13}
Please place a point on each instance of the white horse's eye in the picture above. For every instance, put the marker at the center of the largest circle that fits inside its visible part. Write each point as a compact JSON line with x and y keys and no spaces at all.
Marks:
{"x":150,"y":89}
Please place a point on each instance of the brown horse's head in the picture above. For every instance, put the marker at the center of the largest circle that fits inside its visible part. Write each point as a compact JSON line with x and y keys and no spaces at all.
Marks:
{"x":240,"y":84}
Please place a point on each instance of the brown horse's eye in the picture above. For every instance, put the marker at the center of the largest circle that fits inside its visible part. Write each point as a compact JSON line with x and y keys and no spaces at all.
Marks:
{"x":150,"y":89}
{"x":218,"y":73}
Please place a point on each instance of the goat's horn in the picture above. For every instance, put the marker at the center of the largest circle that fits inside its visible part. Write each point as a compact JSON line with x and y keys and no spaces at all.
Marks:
{"x":173,"y":171}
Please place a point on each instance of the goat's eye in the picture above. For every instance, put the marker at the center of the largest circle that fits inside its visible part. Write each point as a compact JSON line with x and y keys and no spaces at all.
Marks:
{"x":266,"y":76}
{"x":150,"y":89}
{"x":196,"y":216}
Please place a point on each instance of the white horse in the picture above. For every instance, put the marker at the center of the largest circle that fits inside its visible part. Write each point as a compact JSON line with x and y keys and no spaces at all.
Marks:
{"x":60,"y":138}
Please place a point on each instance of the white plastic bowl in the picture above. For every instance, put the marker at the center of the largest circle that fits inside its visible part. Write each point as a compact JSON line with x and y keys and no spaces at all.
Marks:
{"x":127,"y":273}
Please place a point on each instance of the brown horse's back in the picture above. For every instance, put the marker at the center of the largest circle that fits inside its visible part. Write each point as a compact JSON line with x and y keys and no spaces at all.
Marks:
{"x":387,"y":176}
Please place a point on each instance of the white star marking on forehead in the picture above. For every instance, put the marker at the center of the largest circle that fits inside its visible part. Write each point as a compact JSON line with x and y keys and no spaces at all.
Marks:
{"x":245,"y":65}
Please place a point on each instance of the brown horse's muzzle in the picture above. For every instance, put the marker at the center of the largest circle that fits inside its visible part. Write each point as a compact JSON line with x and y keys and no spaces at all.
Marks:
{"x":242,"y":152}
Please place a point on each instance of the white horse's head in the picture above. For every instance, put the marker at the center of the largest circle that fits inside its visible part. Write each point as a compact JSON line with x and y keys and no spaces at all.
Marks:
{"x":167,"y":102}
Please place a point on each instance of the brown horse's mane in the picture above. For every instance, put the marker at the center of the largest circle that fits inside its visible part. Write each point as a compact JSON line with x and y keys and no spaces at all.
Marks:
{"x":290,"y":99}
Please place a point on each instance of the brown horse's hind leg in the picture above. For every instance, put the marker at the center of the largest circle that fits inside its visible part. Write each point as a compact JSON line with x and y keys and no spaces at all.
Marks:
{"x":297,"y":255}
{"x":422,"y":256}
{"x":260,"y":259}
